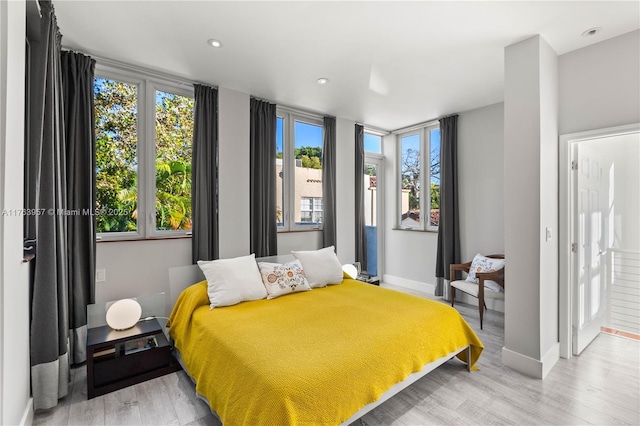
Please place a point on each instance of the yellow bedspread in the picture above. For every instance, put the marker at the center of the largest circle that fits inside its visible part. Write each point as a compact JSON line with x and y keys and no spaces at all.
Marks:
{"x":310,"y":358}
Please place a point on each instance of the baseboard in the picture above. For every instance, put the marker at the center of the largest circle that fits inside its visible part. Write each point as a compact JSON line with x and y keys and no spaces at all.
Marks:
{"x":550,"y":359}
{"x":530,"y":366}
{"x":27,"y":417}
{"x":410,"y":284}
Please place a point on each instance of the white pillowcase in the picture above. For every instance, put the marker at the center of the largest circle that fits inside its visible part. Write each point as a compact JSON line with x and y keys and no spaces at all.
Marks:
{"x":482,"y":263}
{"x":231,"y":281}
{"x":283,"y":278}
{"x":321,"y":267}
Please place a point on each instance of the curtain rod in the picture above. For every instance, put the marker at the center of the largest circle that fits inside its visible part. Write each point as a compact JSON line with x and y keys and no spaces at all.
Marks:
{"x":373,"y":129}
{"x":139,"y":69}
{"x":421,"y":125}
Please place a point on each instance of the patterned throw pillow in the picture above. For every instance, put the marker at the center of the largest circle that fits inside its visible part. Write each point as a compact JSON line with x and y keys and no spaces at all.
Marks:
{"x":283,"y":278}
{"x":485,"y":264}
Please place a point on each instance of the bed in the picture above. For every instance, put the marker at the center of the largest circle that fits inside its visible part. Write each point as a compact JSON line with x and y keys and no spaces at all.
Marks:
{"x":320,"y":357}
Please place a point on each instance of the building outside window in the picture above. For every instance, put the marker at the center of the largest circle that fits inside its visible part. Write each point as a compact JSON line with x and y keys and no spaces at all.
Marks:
{"x":299,"y":139}
{"x":311,"y":210}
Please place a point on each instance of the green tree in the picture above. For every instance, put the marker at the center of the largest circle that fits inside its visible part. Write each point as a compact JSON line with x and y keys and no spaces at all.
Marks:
{"x":174,"y":136}
{"x":311,"y":156}
{"x":116,"y":161}
{"x":435,"y":196}
{"x":116,"y":124}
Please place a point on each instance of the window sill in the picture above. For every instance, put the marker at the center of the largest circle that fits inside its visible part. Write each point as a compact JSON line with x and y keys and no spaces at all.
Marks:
{"x":292,"y":231}
{"x":124,"y":240}
{"x":432,"y":231}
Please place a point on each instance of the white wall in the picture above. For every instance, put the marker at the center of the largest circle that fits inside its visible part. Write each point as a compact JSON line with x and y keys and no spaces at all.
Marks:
{"x":627,"y":194}
{"x":15,"y":402}
{"x":530,"y":206}
{"x":345,"y":190}
{"x":600,"y":85}
{"x":481,"y":187}
{"x":302,"y":240}
{"x":481,"y":180}
{"x":139,"y":268}
{"x":549,"y":207}
{"x":233,"y":172}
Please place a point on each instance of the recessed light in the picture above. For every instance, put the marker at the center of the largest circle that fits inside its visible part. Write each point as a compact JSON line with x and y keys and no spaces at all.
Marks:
{"x":323,"y":80}
{"x":591,"y":31}
{"x":214,"y":43}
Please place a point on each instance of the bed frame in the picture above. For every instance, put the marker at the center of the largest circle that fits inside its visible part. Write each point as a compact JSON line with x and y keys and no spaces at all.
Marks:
{"x":182,"y":277}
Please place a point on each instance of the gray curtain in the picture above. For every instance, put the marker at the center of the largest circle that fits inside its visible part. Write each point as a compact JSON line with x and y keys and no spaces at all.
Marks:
{"x":329,"y":183}
{"x":59,"y":161}
{"x":448,"y":250}
{"x":361,"y":234}
{"x":204,"y":175}
{"x":77,"y":86}
{"x":263,"y":226}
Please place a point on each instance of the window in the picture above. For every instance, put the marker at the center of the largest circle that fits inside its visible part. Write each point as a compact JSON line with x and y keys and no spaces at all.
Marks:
{"x":372,"y":143}
{"x":419,"y":158}
{"x":311,"y":210}
{"x":299,"y":139}
{"x":144,"y":131}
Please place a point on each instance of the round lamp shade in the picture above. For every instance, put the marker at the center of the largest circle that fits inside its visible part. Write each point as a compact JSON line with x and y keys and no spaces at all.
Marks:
{"x":124,"y":314}
{"x":350,"y":270}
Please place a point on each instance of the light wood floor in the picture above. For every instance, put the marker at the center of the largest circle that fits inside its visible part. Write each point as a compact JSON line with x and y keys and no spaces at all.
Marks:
{"x":600,"y":387}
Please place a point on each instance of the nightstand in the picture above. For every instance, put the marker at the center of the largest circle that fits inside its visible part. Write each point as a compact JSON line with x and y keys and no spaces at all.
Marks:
{"x":368,"y":279}
{"x":117,"y":359}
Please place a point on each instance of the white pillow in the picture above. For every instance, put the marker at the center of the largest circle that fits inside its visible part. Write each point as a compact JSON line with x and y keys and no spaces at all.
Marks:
{"x":321,"y":267}
{"x":231,"y":281}
{"x":482,"y":263}
{"x":283,"y":278}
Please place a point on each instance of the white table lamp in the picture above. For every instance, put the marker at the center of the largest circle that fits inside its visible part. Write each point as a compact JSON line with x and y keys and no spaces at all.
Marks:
{"x":123,"y":314}
{"x":350,"y":270}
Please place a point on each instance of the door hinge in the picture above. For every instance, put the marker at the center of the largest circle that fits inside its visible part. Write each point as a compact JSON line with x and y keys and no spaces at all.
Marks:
{"x":574,"y":247}
{"x":574,"y":165}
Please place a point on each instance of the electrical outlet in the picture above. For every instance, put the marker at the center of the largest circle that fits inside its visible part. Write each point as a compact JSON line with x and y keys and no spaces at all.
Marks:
{"x":101,"y":275}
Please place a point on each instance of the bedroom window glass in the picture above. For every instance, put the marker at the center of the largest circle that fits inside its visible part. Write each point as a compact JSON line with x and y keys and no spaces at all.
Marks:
{"x":372,"y":143}
{"x":419,"y":165}
{"x":174,"y":136}
{"x":144,"y":132}
{"x":116,"y":129}
{"x":299,"y":139}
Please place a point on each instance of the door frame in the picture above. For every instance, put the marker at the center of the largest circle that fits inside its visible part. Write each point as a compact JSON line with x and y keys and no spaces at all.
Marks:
{"x":565,"y":223}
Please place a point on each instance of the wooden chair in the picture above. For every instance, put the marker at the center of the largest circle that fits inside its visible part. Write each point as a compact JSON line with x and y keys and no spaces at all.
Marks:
{"x":475,"y":289}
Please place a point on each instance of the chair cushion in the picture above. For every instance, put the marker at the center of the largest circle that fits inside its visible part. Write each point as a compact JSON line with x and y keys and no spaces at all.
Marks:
{"x":472,"y":288}
{"x":482,"y":263}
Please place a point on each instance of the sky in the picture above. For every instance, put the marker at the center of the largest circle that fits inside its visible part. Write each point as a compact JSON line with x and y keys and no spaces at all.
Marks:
{"x":311,"y":135}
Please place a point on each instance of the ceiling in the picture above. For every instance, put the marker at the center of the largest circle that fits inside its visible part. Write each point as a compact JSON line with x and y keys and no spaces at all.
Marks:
{"x":390,"y":64}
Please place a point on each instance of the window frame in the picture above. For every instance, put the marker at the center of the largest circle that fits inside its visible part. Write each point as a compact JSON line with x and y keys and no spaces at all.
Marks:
{"x":147,"y":85}
{"x":290,"y":117}
{"x":424,"y":133}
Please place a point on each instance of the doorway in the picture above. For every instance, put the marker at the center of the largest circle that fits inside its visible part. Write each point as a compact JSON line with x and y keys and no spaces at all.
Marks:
{"x":599,"y":207}
{"x":373,"y":208}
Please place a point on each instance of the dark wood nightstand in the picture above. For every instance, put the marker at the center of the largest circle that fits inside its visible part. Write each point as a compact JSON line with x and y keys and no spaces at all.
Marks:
{"x":117,"y":359}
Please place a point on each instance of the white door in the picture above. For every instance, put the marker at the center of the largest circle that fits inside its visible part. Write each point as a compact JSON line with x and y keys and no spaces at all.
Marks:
{"x":588,"y":253}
